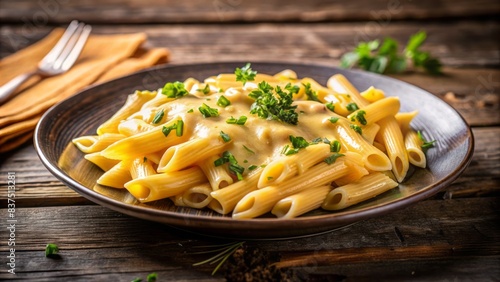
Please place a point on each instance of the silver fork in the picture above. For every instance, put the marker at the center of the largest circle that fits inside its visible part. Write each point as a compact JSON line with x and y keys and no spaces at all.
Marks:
{"x":59,"y":60}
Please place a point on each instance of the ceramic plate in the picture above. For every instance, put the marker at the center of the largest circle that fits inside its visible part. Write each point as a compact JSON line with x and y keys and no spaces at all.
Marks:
{"x":82,"y":113}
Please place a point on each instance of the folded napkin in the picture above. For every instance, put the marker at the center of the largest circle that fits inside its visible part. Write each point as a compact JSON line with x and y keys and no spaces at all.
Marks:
{"x":104,"y":57}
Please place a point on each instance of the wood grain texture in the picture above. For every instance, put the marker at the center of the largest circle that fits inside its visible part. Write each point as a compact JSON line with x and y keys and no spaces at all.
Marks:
{"x":452,"y":236}
{"x":97,"y":243}
{"x":169,"y":11}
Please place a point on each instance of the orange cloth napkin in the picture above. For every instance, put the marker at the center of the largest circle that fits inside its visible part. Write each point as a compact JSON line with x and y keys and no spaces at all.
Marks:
{"x":103,"y":58}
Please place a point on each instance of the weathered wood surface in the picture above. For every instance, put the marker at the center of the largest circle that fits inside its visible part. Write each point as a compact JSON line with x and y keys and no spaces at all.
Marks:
{"x":37,"y":187}
{"x":95,"y":243}
{"x":196,"y":11}
{"x":471,"y":82}
{"x":453,"y":236}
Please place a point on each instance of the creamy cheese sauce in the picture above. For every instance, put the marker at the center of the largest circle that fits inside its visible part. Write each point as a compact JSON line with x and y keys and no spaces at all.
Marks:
{"x":258,"y":141}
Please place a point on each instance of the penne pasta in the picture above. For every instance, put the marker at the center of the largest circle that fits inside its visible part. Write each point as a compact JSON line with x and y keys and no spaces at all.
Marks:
{"x":96,"y":143}
{"x":245,"y":144}
{"x":413,"y":145}
{"x":300,"y":203}
{"x":218,"y":177}
{"x":132,"y":105}
{"x":165,"y":185}
{"x":261,"y":201}
{"x":350,"y":194}
{"x":392,"y":139}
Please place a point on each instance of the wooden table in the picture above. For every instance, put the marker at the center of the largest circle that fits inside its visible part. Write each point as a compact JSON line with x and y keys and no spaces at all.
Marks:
{"x":453,"y":236}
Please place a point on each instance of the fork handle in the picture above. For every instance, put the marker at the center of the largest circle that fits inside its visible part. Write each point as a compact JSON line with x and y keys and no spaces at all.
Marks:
{"x":7,"y":89}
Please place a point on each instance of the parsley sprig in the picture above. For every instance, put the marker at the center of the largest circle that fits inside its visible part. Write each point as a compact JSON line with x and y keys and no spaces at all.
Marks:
{"x":245,"y":74}
{"x":275,"y":103}
{"x":426,"y":144}
{"x":234,"y":167}
{"x":174,"y":90}
{"x":298,"y":142}
{"x":384,"y":57}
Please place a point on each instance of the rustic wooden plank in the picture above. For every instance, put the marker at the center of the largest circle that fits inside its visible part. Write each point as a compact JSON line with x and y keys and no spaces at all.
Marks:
{"x":471,"y":58}
{"x":96,"y":243}
{"x":163,"y":11}
{"x":37,"y":187}
{"x":474,"y":46}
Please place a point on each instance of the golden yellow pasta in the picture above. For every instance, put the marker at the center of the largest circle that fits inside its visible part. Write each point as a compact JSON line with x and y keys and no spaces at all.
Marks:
{"x":247,"y":144}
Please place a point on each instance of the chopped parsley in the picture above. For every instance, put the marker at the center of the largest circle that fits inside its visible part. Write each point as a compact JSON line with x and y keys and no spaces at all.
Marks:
{"x":158,"y":117}
{"x":248,"y":149}
{"x":245,"y":74}
{"x":297,"y":144}
{"x":311,"y":94}
{"x":319,"y":140}
{"x":270,"y":106}
{"x":427,"y":144}
{"x":205,"y":90}
{"x":174,"y":90}
{"x":178,"y":126}
{"x":234,"y":167}
{"x":152,"y":277}
{"x":352,"y":107}
{"x":360,"y":116}
{"x":356,"y":128}
{"x":335,"y":146}
{"x":252,"y":167}
{"x":223,"y":101}
{"x":330,"y":106}
{"x":333,"y":119}
{"x":206,"y":111}
{"x":239,"y":121}
{"x":51,"y":250}
{"x":190,"y":111}
{"x":225,"y":137}
{"x":331,"y":159}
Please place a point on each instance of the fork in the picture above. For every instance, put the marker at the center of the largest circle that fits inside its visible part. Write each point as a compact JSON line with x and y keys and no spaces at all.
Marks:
{"x":59,"y":60}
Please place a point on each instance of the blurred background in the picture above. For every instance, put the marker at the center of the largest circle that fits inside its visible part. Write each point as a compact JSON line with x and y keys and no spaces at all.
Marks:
{"x":460,"y":33}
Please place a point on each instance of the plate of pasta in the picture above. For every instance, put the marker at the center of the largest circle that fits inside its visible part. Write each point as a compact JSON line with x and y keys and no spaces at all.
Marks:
{"x":260,"y":150}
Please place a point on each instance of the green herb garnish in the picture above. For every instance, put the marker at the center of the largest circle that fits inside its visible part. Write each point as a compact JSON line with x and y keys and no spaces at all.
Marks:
{"x":427,"y":144}
{"x":331,"y":159}
{"x":335,"y":146}
{"x":178,"y":126}
{"x":297,"y":144}
{"x":352,"y":107}
{"x":360,"y":116}
{"x":330,"y":106}
{"x":248,"y":149}
{"x":356,"y":128}
{"x":206,"y":111}
{"x":223,"y":253}
{"x":174,"y":90}
{"x":239,"y":121}
{"x":223,"y":101}
{"x":333,"y":119}
{"x":51,"y":250}
{"x":245,"y":74}
{"x":205,"y":90}
{"x":385,"y":58}
{"x":225,"y":137}
{"x":158,"y":117}
{"x":234,"y":167}
{"x":271,"y":106}
{"x":152,"y":277}
{"x":252,"y":167}
{"x":311,"y":94}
